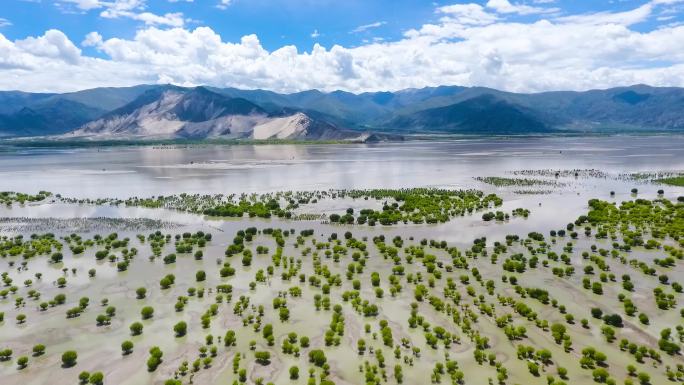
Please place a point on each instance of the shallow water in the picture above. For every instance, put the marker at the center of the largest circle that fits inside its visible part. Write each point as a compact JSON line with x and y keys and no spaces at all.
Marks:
{"x":146,"y":171}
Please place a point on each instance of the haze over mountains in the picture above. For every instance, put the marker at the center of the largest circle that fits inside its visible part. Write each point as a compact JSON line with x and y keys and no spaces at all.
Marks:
{"x":165,"y":111}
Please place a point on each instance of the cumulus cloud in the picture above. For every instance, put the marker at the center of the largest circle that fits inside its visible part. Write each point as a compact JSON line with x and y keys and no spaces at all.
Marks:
{"x":92,"y":39}
{"x":469,"y":44}
{"x":53,"y":45}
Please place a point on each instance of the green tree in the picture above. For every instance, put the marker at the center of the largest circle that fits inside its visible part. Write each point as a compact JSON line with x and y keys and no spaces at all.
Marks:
{"x":136,"y":328}
{"x":126,"y":347}
{"x":22,"y":362}
{"x":181,"y":328}
{"x":600,"y":375}
{"x":200,"y":276}
{"x":83,"y":377}
{"x":263,"y":357}
{"x":69,"y":358}
{"x":147,"y":312}
{"x":96,"y":378}
{"x":317,"y":357}
{"x":229,"y":339}
{"x":294,"y":372}
{"x":38,"y":350}
{"x":155,"y":358}
{"x":398,"y":374}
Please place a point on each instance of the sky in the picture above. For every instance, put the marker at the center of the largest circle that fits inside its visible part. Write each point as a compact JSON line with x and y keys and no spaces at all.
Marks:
{"x":352,"y":45}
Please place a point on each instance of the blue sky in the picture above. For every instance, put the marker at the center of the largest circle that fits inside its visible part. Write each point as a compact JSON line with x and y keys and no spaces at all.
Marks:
{"x":276,"y":22}
{"x":119,"y":27}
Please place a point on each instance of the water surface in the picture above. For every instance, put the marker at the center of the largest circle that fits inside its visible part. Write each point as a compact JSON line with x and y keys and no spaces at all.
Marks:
{"x":146,"y":171}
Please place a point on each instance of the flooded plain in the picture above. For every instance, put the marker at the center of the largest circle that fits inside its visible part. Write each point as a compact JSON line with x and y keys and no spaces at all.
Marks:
{"x":586,"y":168}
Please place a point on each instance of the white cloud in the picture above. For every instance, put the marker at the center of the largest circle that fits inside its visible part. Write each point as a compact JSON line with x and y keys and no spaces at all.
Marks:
{"x":630,"y":17}
{"x":315,"y":34}
{"x":84,"y":5}
{"x":505,"y":6}
{"x":468,"y":45}
{"x":366,"y":27}
{"x":224,"y":4}
{"x":4,"y":22}
{"x":472,"y":14}
{"x":169,"y":19}
{"x":455,"y":18}
{"x":666,"y":2}
{"x":132,"y":9}
{"x":54,"y":45}
{"x":92,"y":39}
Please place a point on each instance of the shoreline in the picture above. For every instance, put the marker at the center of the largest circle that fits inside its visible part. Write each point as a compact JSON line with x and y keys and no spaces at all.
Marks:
{"x":9,"y":143}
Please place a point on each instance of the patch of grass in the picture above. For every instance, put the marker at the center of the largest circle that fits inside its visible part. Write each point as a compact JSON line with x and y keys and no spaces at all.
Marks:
{"x":533,"y":192}
{"x":9,"y":197}
{"x":415,"y":205}
{"x":520,"y":182}
{"x":673,"y":181}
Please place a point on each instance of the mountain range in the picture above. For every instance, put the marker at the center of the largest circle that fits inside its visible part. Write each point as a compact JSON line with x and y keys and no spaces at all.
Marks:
{"x":167,"y":111}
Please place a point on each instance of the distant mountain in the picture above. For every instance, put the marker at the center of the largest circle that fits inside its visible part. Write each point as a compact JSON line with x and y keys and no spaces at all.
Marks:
{"x":485,"y":114}
{"x":344,"y":107}
{"x":34,"y":114}
{"x":641,"y":108}
{"x":13,"y":101}
{"x":107,"y":98}
{"x":175,"y":112}
{"x":166,"y":110}
{"x":47,"y":117}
